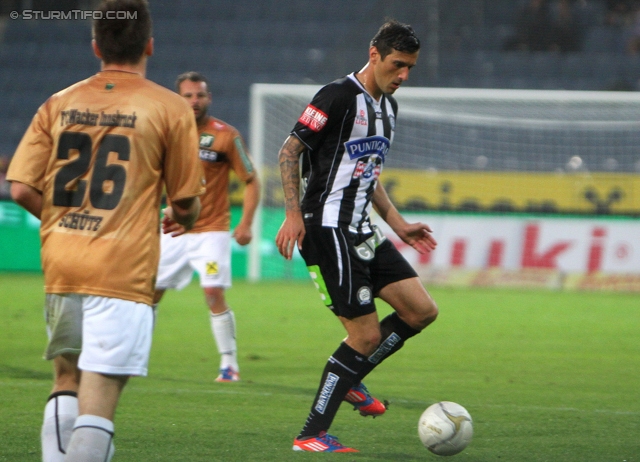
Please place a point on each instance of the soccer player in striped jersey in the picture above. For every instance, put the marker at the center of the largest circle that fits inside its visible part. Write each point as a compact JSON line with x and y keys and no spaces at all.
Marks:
{"x":92,"y":166}
{"x":207,"y":247}
{"x":343,"y":139}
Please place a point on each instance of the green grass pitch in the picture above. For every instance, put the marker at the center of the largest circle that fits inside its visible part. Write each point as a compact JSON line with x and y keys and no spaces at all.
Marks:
{"x":546,"y":376}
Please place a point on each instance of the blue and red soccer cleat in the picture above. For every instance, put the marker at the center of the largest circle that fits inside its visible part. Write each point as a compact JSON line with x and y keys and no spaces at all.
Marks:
{"x":228,"y":374}
{"x":362,"y":401}
{"x":321,"y":443}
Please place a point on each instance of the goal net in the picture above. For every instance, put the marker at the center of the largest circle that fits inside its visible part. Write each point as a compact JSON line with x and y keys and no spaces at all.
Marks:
{"x":474,"y":150}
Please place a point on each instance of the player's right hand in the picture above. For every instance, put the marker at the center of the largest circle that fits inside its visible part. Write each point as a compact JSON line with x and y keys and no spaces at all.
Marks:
{"x":169,"y":225}
{"x":291,"y":231}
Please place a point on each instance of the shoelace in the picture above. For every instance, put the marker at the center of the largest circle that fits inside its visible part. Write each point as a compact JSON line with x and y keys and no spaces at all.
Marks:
{"x":329,"y":439}
{"x":367,"y":396}
{"x":364,"y":389}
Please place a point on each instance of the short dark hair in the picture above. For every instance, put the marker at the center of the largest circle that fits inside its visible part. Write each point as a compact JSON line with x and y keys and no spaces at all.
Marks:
{"x":394,"y":35}
{"x":123,"y":31}
{"x":191,"y":76}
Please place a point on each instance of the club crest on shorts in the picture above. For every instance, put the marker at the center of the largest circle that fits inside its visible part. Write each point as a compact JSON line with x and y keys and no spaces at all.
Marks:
{"x":212,"y":268}
{"x":364,"y":295}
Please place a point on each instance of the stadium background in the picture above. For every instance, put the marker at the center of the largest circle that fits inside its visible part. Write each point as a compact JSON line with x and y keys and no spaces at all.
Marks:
{"x":466,"y":44}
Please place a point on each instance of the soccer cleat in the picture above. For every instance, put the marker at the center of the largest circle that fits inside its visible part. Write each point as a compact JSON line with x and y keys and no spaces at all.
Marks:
{"x":228,"y":374}
{"x":362,"y":401}
{"x":321,"y":443}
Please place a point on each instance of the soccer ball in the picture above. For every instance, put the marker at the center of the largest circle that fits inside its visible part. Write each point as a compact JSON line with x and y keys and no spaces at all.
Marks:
{"x":445,"y":428}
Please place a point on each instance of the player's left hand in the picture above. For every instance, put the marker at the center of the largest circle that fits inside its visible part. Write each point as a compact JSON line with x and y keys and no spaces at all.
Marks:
{"x":242,"y":234}
{"x":169,"y":225}
{"x":418,"y":236}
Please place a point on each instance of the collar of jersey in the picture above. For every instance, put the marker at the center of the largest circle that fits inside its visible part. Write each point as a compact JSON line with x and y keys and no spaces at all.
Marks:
{"x":375,"y":103}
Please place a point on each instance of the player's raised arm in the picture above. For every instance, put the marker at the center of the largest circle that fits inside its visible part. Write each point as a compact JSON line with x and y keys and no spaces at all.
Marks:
{"x":417,"y":235}
{"x":292,"y":229}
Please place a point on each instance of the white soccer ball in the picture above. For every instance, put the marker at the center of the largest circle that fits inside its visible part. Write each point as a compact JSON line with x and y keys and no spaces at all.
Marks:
{"x":445,"y":428}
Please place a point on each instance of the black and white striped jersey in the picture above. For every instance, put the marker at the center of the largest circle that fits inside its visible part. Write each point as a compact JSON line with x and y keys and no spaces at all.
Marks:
{"x":347,"y":135}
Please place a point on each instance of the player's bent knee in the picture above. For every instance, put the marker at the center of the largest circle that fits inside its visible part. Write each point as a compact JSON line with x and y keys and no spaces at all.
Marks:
{"x":427,"y":314}
{"x":431,"y":314}
{"x":431,"y":310}
{"x":365,"y":342}
{"x":368,"y":343}
{"x":374,"y":339}
{"x":214,"y":297}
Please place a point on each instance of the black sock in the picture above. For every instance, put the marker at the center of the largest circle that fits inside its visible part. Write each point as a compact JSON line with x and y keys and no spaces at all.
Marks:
{"x":394,"y":333}
{"x":339,"y":375}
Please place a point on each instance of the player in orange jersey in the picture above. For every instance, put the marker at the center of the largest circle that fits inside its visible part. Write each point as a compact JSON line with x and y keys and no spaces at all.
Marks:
{"x":207,"y":247}
{"x":92,"y":166}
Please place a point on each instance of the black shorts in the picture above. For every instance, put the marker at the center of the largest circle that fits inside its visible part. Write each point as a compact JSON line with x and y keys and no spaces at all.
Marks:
{"x":349,"y":269}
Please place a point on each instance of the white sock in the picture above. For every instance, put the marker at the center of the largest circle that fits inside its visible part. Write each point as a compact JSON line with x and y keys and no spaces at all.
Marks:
{"x":91,"y":441}
{"x":59,"y":416}
{"x":223,"y":326}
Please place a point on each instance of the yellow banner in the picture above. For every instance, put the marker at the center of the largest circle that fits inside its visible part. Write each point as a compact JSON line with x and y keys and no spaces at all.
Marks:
{"x":599,"y":193}
{"x":602,"y":193}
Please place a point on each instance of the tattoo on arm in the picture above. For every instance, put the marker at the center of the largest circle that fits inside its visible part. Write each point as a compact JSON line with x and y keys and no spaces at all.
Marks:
{"x":290,"y":172}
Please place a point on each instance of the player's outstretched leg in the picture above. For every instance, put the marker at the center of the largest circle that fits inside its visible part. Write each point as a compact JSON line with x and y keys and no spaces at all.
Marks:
{"x":337,"y":379}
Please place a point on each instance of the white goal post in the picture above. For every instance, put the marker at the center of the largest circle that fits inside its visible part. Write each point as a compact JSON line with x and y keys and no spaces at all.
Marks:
{"x":478,"y":150}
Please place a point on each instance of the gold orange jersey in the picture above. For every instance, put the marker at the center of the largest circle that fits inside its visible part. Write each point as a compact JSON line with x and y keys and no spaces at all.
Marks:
{"x":221,"y":149}
{"x":100,"y":151}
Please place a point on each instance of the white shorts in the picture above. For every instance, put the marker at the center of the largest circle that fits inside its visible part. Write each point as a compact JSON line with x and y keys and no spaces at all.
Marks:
{"x":112,"y":336}
{"x":209,"y":254}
